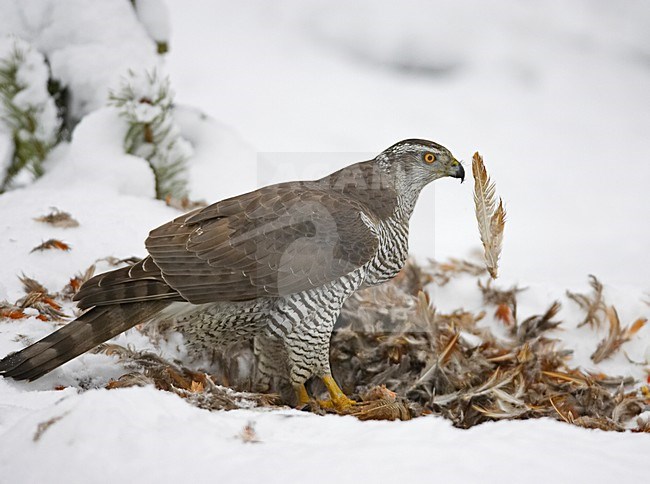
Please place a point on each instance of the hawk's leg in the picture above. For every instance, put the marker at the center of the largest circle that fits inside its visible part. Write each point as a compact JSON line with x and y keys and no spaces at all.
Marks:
{"x":305,"y":360}
{"x":271,"y":360}
{"x":301,"y":368}
{"x":304,"y":322}
{"x":303,"y":396}
{"x":338,"y":400}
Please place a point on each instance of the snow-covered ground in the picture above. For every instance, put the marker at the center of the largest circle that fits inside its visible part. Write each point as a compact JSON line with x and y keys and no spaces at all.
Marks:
{"x":554,"y":94}
{"x":145,"y":435}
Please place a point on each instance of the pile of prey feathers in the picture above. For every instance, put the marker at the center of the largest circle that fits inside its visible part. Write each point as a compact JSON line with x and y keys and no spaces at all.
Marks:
{"x":399,"y":358}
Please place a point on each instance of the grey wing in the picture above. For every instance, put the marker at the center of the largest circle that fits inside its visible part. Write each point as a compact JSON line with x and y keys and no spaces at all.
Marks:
{"x":272,"y":242}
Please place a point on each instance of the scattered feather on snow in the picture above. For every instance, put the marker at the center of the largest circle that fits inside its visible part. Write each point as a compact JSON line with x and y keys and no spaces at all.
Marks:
{"x":616,"y":335}
{"x":51,"y":244}
{"x":593,"y":306}
{"x":58,"y":218}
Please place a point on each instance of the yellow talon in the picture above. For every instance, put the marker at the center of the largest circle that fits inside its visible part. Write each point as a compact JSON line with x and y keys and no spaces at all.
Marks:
{"x":338,"y":400}
{"x":303,"y":396}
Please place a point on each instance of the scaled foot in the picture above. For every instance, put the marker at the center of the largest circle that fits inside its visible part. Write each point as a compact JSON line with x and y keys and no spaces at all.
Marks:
{"x":338,"y":400}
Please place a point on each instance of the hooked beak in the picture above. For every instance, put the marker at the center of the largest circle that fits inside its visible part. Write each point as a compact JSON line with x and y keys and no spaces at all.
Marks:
{"x":459,"y":171}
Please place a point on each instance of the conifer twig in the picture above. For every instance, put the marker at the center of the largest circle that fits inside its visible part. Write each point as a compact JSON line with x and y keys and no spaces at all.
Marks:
{"x":145,"y":100}
{"x":27,"y":111}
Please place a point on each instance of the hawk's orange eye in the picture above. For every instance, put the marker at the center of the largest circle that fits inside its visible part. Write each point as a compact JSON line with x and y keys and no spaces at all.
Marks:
{"x":429,"y":158}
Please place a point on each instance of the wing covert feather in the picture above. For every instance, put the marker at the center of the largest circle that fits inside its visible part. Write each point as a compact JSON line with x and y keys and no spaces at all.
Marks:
{"x":275,"y":241}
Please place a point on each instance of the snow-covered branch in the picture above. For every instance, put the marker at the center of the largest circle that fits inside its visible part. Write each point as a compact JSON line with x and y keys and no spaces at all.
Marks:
{"x":28,"y":113}
{"x":145,"y":100}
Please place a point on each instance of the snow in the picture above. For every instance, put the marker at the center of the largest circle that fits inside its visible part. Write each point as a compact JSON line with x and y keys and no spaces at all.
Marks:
{"x":223,"y":163}
{"x":553,"y":94}
{"x":101,"y":186}
{"x":28,"y":112}
{"x":114,"y":436}
{"x":32,"y":76}
{"x":145,"y":99}
{"x":89,"y":48}
{"x":154,"y":15}
{"x":6,"y":149}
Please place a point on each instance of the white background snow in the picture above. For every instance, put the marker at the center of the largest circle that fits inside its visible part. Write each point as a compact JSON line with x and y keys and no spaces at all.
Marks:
{"x":554,"y":94}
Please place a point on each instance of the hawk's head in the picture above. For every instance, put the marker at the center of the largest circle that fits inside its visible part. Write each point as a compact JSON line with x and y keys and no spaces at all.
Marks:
{"x":418,"y":162}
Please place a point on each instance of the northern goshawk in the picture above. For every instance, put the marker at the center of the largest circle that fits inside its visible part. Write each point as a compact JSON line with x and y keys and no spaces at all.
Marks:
{"x":274,"y":265}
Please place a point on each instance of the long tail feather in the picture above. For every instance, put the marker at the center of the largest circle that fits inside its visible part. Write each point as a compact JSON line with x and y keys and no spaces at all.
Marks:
{"x":84,"y":333}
